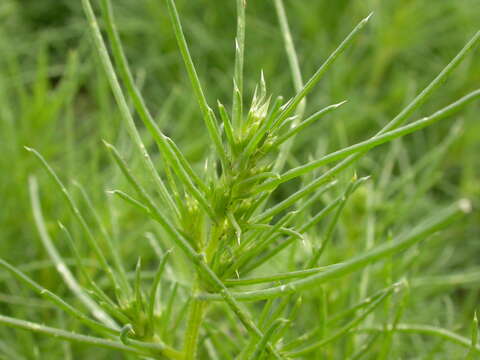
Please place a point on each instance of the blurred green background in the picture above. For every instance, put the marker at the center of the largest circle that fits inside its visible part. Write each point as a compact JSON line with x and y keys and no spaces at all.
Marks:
{"x":54,"y":97}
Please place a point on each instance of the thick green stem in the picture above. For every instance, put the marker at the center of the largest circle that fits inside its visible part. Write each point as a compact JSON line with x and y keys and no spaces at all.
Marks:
{"x":195,"y":319}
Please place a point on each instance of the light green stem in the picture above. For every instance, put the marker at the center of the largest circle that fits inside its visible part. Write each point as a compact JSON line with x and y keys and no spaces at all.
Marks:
{"x":195,"y":319}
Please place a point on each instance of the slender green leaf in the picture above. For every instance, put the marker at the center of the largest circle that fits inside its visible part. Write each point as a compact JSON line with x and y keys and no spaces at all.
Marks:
{"x":372,"y":142}
{"x":343,"y":330}
{"x":295,"y":101}
{"x":426,"y":330}
{"x":92,"y":241}
{"x":108,"y":240}
{"x":122,"y":103}
{"x":207,"y":113}
{"x":260,"y":348}
{"x":155,"y":286}
{"x":237,"y":107}
{"x":427,"y":227}
{"x":307,"y":122}
{"x":69,"y":336}
{"x":56,"y":300}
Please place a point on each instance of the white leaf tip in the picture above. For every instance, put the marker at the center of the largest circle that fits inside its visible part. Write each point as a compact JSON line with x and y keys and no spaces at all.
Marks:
{"x":465,"y":205}
{"x":106,"y":143}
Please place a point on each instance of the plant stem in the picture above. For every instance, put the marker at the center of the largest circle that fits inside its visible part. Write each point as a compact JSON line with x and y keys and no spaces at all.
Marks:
{"x":195,"y":319}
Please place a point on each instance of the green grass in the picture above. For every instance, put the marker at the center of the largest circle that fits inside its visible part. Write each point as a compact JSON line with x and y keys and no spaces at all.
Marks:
{"x":238,"y":230}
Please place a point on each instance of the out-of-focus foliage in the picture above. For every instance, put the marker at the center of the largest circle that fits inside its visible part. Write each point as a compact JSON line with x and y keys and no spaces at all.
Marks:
{"x":55,"y":98}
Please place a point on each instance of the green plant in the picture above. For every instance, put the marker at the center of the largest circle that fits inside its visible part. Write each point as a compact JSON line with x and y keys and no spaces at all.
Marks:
{"x":227,"y":222}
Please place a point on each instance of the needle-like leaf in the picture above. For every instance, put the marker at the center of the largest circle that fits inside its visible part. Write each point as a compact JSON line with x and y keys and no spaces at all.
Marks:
{"x":122,"y":102}
{"x":208,"y":115}
{"x":92,"y":241}
{"x":427,"y":227}
{"x":373,"y":142}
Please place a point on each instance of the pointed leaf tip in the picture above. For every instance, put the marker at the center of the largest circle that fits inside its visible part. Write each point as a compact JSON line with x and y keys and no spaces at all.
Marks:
{"x":107,"y":144}
{"x":60,"y":225}
{"x":400,"y":285}
{"x":124,"y":333}
{"x":364,"y":178}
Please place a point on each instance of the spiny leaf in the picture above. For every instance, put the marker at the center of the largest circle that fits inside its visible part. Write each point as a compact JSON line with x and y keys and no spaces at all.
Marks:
{"x":293,"y":103}
{"x":372,"y":142}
